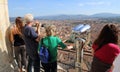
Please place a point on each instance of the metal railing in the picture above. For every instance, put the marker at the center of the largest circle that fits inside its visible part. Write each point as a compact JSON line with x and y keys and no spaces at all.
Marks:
{"x":77,"y":59}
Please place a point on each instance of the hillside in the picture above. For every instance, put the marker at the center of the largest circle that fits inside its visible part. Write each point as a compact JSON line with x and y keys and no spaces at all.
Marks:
{"x":100,"y":16}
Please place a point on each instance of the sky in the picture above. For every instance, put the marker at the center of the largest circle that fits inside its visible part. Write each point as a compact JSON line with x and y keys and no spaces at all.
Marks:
{"x":59,"y":7}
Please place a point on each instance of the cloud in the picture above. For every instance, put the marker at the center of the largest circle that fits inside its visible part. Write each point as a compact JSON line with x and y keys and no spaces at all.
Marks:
{"x":94,"y":3}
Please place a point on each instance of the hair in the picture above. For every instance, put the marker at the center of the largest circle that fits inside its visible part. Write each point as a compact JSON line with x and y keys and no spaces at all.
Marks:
{"x":19,"y":23}
{"x":28,"y":18}
{"x":50,"y":30}
{"x":109,"y":34}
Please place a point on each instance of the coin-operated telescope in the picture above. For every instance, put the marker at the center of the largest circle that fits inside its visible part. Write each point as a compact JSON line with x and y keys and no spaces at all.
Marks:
{"x":81,"y":31}
{"x":80,"y":36}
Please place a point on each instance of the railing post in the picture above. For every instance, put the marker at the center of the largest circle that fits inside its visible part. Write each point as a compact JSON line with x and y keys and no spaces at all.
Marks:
{"x":79,"y":54}
{"x":77,"y":64}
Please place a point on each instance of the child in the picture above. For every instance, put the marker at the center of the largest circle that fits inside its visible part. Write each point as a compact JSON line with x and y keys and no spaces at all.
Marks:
{"x":52,"y":42}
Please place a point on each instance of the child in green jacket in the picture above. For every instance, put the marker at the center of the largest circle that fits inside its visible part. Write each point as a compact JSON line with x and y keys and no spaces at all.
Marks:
{"x":51,"y":41}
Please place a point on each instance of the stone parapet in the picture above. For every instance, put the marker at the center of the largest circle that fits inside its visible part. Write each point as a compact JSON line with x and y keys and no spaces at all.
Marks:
{"x":5,"y":65}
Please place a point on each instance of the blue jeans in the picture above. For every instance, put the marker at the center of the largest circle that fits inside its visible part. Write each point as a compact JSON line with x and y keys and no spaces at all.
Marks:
{"x":35,"y":63}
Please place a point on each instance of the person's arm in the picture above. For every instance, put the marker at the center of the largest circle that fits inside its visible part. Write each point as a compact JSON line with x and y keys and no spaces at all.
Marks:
{"x":11,"y":37}
{"x":38,"y":25}
{"x":92,"y":52}
{"x":61,"y":43}
{"x":38,"y":38}
{"x":32,"y":34}
{"x":93,"y":49}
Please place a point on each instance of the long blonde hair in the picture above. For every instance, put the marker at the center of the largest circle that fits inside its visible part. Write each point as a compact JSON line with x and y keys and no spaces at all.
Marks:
{"x":50,"y":30}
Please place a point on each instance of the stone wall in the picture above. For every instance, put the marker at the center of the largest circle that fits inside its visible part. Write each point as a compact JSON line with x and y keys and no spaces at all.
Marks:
{"x":5,"y":48}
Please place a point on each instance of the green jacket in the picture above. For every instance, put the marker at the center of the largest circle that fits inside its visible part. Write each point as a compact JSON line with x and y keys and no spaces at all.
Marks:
{"x":52,"y":43}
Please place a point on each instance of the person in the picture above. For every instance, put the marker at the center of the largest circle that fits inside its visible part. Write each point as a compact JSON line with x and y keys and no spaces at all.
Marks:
{"x":31,"y":41}
{"x":16,"y":39}
{"x":105,"y":49}
{"x":116,"y":64}
{"x":52,"y":42}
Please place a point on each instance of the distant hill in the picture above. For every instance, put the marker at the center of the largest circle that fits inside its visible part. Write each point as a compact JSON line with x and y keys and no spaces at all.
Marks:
{"x":77,"y":17}
{"x":12,"y":19}
{"x":62,"y":17}
{"x":105,"y":15}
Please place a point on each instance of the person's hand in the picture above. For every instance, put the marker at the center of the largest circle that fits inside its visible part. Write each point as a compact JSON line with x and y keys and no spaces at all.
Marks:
{"x":86,"y":47}
{"x":37,"y":23}
{"x":69,"y":47}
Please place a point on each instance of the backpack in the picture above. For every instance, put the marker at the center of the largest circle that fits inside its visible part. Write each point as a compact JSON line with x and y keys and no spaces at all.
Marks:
{"x":44,"y":53}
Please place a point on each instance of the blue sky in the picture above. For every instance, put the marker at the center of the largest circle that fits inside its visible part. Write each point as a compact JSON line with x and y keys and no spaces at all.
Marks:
{"x":57,"y":7}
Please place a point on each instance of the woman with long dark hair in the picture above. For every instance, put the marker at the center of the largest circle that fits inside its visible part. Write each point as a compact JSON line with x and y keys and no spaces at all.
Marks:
{"x":16,"y":38}
{"x":105,"y":49}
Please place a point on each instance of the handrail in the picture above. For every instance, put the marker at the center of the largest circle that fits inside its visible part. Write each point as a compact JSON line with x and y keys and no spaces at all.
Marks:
{"x":80,"y":40}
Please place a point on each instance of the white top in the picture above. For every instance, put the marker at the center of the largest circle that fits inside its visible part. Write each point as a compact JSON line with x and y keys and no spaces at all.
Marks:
{"x":116,"y":64}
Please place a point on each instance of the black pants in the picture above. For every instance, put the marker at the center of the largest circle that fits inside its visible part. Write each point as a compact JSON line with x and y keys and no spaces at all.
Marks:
{"x":50,"y":67}
{"x":35,"y":62}
{"x":20,"y":55}
{"x":98,"y":66}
